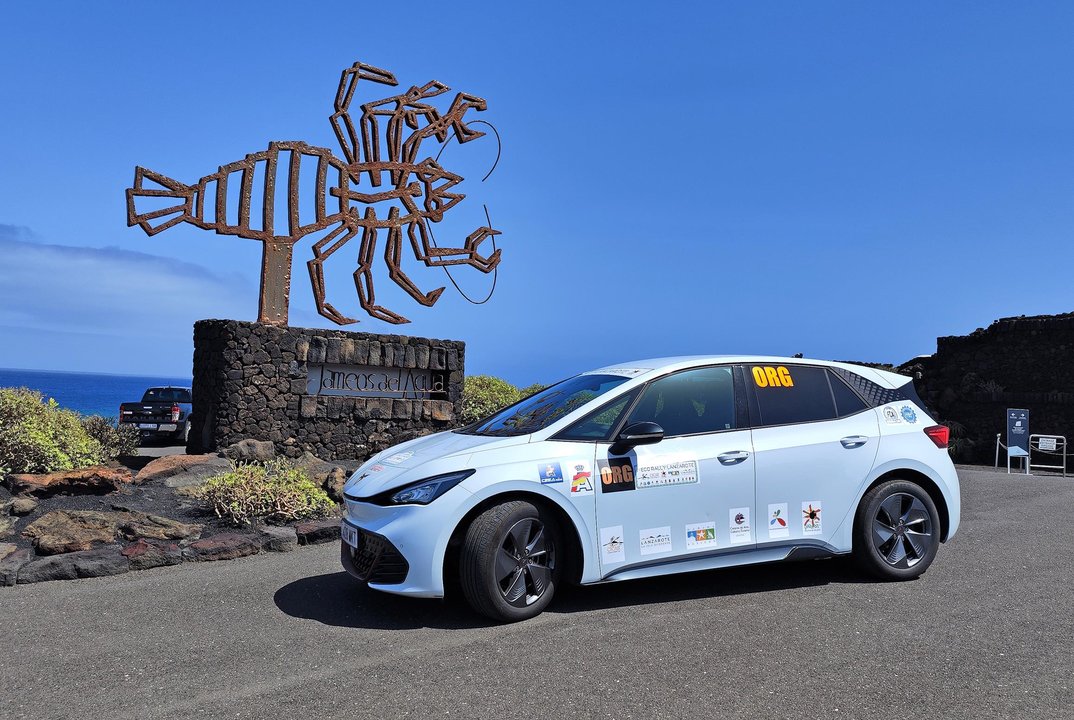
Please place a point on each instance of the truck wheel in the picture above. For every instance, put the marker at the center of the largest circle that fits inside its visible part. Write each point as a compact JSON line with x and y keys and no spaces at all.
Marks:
{"x":896,"y":531}
{"x":508,"y":565}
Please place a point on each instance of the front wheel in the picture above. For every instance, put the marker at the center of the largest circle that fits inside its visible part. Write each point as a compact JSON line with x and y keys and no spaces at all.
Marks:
{"x":896,"y":531}
{"x":508,"y":565}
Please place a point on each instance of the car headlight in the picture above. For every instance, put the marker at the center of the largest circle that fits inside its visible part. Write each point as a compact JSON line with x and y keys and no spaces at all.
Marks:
{"x":424,"y":491}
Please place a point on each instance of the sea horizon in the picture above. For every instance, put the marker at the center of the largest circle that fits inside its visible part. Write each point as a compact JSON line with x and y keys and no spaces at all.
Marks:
{"x":87,"y":393}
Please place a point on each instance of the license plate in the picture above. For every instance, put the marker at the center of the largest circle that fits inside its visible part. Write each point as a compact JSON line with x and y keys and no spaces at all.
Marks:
{"x":167,"y":428}
{"x":350,"y":534}
{"x":147,"y":426}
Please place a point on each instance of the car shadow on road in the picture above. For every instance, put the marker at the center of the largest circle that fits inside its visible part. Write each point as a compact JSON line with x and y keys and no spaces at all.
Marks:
{"x":337,"y":599}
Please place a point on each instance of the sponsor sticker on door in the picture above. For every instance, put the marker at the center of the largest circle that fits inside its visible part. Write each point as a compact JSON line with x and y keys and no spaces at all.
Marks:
{"x":739,"y":524}
{"x":550,"y":473}
{"x":616,"y":475}
{"x":811,"y":518}
{"x":666,"y":471}
{"x":700,"y":536}
{"x":612,"y":548}
{"x":778,"y":524}
{"x":654,"y":541}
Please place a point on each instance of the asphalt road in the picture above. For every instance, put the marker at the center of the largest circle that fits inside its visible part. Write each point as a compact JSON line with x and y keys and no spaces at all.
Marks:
{"x":987,"y":632}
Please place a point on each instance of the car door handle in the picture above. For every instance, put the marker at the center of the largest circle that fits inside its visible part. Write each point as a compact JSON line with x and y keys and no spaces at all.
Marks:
{"x":730,"y":458}
{"x":853,"y":441}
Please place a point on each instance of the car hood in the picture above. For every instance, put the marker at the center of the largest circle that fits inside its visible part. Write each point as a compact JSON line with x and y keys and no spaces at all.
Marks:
{"x":421,"y":458}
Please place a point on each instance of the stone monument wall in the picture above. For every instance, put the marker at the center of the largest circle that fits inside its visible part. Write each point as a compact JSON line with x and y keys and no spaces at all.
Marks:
{"x":335,"y":394}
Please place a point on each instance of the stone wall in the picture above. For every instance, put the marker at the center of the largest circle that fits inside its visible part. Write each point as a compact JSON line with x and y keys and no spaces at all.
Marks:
{"x":251,"y":381}
{"x":1023,"y":362}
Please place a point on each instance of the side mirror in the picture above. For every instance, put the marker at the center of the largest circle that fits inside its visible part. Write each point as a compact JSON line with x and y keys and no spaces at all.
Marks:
{"x":642,"y":433}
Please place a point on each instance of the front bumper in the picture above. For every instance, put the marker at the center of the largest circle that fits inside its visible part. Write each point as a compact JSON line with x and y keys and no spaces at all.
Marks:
{"x":375,"y":561}
{"x":415,"y":535}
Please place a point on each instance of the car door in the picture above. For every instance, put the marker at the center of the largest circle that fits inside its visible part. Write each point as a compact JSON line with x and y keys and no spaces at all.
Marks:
{"x":690,"y":493}
{"x":815,"y":441}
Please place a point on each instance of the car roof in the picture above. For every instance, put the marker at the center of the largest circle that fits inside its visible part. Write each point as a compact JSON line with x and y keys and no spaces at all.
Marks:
{"x":681,"y":362}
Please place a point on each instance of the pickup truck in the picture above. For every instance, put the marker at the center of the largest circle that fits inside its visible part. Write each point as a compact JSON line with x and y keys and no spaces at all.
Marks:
{"x":163,"y":413}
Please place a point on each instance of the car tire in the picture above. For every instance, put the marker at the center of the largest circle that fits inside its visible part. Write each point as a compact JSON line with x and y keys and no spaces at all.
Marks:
{"x":896,"y":531}
{"x":508,"y":566}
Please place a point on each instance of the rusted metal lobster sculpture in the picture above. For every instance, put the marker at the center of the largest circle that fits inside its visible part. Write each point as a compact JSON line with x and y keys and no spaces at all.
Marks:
{"x":417,"y":192}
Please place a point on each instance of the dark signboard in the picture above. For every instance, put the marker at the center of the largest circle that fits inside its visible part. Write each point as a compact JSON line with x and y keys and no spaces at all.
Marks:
{"x":1018,"y":429}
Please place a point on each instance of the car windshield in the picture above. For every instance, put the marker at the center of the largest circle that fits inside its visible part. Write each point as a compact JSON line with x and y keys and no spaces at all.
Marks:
{"x":546,"y":407}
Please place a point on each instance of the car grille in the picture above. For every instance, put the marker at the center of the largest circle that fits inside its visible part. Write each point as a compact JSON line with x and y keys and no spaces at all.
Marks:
{"x":375,"y":560}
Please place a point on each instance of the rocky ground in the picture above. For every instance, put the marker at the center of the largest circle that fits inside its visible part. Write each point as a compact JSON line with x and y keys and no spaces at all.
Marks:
{"x":140,"y":513}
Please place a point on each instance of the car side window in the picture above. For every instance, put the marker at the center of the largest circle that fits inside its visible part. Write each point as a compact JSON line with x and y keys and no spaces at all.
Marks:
{"x":689,"y":402}
{"x":598,"y":424}
{"x":788,"y":394}
{"x":847,"y":401}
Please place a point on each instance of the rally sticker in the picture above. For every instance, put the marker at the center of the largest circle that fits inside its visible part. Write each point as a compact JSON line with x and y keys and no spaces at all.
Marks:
{"x":612,"y":548}
{"x":616,"y":475}
{"x":739,"y":522}
{"x":908,"y":414}
{"x":550,"y":473}
{"x":667,"y":472}
{"x":891,"y":416}
{"x":399,"y":458}
{"x":811,"y":518}
{"x":700,"y":536}
{"x":768,"y":376}
{"x":777,"y":521}
{"x":581,"y":478}
{"x":655,"y":540}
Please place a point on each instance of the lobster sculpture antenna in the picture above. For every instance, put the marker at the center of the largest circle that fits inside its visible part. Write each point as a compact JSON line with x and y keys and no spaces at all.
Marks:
{"x":375,"y":173}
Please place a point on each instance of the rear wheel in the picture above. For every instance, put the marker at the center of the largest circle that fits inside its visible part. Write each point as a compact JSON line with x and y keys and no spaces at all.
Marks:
{"x":896,"y":531}
{"x":508,"y":565}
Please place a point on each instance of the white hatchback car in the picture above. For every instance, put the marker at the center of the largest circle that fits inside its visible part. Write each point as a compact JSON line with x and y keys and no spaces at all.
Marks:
{"x":658,"y":467}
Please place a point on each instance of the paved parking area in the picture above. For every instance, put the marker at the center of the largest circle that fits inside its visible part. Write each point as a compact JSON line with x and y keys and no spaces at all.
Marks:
{"x":987,"y":632}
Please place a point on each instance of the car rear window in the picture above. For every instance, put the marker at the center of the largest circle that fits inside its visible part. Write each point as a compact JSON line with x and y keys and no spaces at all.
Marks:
{"x":167,"y":395}
{"x":847,"y":401}
{"x":788,"y":394}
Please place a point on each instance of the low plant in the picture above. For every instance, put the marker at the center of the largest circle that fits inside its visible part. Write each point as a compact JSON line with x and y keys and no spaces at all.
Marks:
{"x":37,"y":435}
{"x":482,"y":395}
{"x":273,"y":492}
{"x":116,"y":440}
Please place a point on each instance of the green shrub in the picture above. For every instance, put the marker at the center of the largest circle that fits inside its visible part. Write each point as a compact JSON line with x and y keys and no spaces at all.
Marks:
{"x":115,"y":440}
{"x":273,"y":492}
{"x":38,"y":436}
{"x":483,"y":395}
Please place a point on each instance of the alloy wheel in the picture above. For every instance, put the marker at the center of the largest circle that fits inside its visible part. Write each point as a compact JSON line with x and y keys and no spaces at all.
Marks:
{"x":524,"y":562}
{"x":902,"y":530}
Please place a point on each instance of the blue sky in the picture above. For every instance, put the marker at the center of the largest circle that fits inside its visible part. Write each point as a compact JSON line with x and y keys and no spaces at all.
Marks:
{"x":845,"y":180}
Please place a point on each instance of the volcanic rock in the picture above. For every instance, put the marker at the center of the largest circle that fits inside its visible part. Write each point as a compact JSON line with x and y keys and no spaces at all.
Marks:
{"x":22,"y":506}
{"x":225,"y":546}
{"x":107,"y":560}
{"x":183,"y":470}
{"x":278,"y":539}
{"x":314,"y":532}
{"x":10,"y":565}
{"x":97,"y":480}
{"x":65,"y":531}
{"x":145,"y":554}
{"x":251,"y":451}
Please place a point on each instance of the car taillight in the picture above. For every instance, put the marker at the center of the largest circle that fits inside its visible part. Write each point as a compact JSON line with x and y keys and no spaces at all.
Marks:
{"x":939,"y":434}
{"x":175,"y":416}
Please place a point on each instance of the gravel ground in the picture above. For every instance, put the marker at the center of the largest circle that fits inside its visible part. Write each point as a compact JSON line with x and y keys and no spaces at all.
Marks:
{"x":986,"y":632}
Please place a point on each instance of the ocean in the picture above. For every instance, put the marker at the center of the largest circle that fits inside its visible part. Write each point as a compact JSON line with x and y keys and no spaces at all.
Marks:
{"x":87,"y":393}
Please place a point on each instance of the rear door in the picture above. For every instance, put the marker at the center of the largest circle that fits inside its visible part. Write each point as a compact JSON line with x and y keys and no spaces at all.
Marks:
{"x":815,"y":441}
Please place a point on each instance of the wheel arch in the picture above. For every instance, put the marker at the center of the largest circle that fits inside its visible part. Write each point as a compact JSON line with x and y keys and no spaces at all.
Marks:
{"x":927,"y":484}
{"x":574,"y":554}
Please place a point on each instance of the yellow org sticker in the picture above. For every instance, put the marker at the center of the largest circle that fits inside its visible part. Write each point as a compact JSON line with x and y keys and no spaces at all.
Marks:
{"x":768,"y":376}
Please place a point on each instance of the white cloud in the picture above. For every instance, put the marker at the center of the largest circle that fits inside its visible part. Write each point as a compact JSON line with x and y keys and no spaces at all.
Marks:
{"x":134,"y":311}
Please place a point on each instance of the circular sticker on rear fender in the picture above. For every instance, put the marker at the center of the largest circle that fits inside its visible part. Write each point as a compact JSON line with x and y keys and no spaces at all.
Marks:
{"x":908,"y":414}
